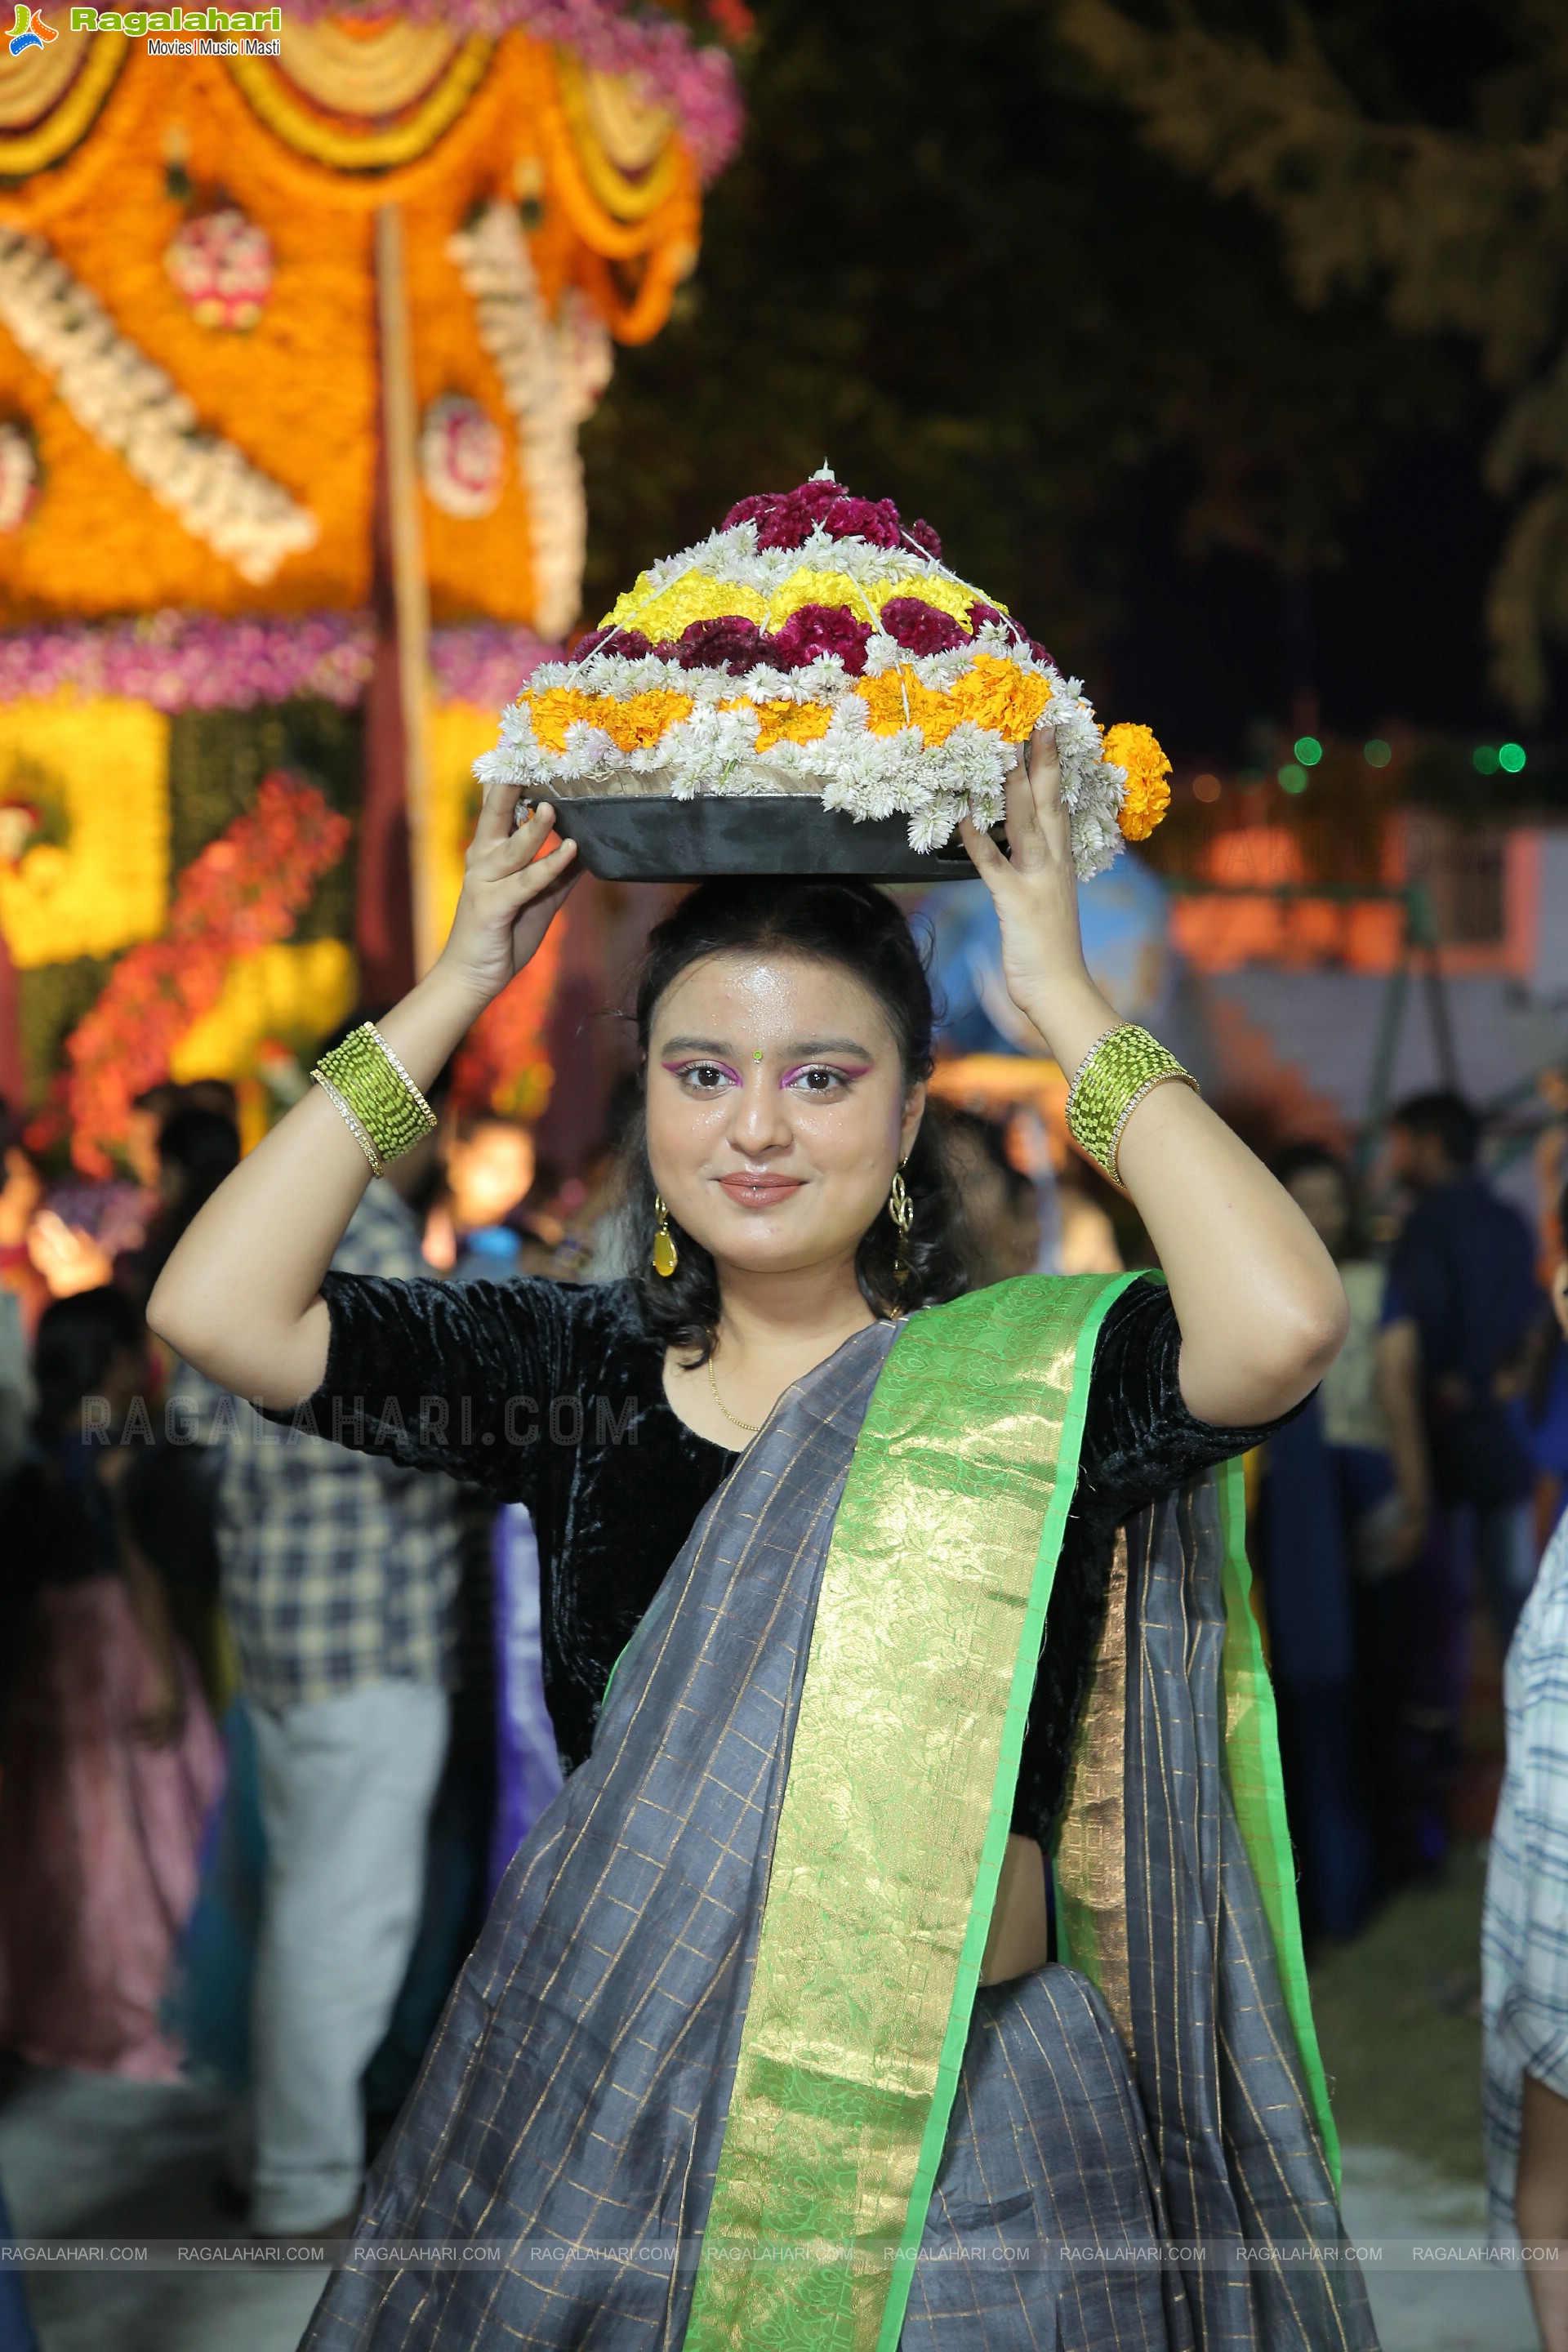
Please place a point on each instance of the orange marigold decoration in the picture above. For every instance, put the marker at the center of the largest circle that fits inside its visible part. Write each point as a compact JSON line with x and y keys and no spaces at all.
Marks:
{"x":1148,"y":791}
{"x":245,"y":889}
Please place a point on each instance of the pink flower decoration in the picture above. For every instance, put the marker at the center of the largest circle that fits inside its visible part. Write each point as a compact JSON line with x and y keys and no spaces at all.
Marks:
{"x":630,"y":642}
{"x":221,"y":264}
{"x":920,"y":627}
{"x":924,"y":538}
{"x":819,"y":629}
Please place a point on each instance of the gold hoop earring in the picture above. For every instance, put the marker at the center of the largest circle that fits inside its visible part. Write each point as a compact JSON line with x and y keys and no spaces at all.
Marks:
{"x":901,"y":1210}
{"x":666,"y":1256}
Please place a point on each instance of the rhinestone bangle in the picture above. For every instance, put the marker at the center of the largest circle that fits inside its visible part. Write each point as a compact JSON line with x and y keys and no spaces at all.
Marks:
{"x":374,"y":1096}
{"x":1120,"y":1068}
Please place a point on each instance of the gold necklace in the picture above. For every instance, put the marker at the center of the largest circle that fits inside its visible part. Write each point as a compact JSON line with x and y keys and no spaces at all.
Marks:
{"x":751,"y":1427}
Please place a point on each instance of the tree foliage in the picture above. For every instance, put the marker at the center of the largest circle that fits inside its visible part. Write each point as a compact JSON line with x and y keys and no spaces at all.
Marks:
{"x":946,"y":262}
{"x":1418,"y":156}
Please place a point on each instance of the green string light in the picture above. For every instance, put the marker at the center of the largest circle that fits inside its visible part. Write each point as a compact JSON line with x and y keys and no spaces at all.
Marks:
{"x":1377,"y":753}
{"x":1512,"y":756}
{"x":1309,"y":750}
{"x":1292,"y":779}
{"x":1484,"y":760}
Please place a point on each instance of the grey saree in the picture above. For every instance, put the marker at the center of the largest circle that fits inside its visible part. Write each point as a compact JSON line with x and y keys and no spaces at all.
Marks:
{"x":718,"y":2072}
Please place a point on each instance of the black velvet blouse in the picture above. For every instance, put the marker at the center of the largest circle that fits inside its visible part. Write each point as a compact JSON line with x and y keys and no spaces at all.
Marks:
{"x":552,"y":1395}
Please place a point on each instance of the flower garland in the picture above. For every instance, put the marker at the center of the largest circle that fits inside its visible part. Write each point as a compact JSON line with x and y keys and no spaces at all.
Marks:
{"x":244,"y":891}
{"x":552,"y":374}
{"x":697,"y":85}
{"x":195,"y":661}
{"x":117,"y":394}
{"x":462,"y":456}
{"x":815,"y":643}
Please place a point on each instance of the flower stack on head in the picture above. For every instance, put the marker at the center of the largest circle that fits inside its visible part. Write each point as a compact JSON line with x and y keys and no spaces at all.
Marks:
{"x":816,"y":645}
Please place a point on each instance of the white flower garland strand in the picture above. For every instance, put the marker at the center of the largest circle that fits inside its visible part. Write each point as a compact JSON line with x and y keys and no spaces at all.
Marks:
{"x":128,"y":405}
{"x":553,"y":372}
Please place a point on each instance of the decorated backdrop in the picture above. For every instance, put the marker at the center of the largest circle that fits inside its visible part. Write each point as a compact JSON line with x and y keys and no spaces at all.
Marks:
{"x":294,"y":350}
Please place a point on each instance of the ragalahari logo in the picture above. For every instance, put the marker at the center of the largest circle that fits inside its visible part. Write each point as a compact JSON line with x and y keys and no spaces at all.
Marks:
{"x":29,"y":31}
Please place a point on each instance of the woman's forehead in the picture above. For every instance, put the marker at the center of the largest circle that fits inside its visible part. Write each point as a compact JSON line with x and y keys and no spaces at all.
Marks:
{"x":762,"y":993}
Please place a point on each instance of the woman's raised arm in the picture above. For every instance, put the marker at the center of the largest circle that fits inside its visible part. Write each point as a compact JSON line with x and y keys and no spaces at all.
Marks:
{"x":1262,"y":1308}
{"x":240,"y":1297}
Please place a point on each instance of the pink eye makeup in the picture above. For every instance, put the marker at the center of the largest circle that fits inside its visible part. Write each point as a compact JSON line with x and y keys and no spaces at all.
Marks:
{"x":833,"y":1072}
{"x":705,"y":1070}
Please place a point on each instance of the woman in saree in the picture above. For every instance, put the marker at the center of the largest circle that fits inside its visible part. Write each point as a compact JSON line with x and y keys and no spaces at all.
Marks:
{"x":862,"y":1598}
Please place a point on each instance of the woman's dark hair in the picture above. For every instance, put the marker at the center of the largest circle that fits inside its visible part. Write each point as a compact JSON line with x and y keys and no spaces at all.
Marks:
{"x":204,"y":1147}
{"x":856,"y":927}
{"x":77,"y":1337}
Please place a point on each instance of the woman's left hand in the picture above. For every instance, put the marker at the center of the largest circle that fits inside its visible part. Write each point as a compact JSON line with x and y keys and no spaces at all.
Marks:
{"x":1034,"y":890}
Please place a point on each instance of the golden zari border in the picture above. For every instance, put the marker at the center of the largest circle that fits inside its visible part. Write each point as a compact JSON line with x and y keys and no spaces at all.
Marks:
{"x":1091,"y":1858}
{"x":894,"y":1817}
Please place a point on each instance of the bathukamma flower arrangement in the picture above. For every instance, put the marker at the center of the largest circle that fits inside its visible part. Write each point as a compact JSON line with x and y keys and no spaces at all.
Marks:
{"x":816,"y":646}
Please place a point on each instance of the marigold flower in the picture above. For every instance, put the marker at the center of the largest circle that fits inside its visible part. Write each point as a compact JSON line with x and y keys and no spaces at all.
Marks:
{"x":1148,"y":794}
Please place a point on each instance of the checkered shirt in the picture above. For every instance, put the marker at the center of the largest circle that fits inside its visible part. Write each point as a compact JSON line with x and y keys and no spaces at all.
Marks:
{"x":339,"y":1569}
{"x":1525,"y":1926}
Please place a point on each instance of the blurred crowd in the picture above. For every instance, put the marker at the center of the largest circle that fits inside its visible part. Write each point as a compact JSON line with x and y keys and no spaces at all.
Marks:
{"x":271,"y":1721}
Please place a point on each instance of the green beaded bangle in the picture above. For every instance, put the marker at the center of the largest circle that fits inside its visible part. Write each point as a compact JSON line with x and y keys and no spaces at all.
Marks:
{"x":1118,"y":1071}
{"x":374,"y":1096}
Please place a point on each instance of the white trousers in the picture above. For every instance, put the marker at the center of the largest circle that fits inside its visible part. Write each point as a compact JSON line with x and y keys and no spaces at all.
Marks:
{"x":346,"y":1785}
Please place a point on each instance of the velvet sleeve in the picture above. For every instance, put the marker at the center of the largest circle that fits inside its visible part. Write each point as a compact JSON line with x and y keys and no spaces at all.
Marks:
{"x":446,"y":1376}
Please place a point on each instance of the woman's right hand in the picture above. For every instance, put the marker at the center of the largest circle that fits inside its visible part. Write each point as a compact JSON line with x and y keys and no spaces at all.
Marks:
{"x":510,"y":894}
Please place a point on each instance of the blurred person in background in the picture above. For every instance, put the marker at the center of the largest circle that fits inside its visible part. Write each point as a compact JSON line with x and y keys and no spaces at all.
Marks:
{"x":1322,"y":1516}
{"x":488,"y":1166}
{"x":111,"y":1764}
{"x":1524,"y":1938}
{"x":340,"y":1581}
{"x":197,"y":1146}
{"x":1001,"y":1210}
{"x":21,"y":1197}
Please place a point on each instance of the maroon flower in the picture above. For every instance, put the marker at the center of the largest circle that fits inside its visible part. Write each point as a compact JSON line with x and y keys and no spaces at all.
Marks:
{"x":874,"y":519}
{"x":820,"y":629}
{"x":731,"y":643}
{"x":630,"y":642}
{"x":924,"y":538}
{"x":752,"y":510}
{"x":920,"y":627}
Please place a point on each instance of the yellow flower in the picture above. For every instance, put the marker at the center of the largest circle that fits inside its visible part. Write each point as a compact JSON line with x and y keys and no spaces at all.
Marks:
{"x":1148,"y":794}
{"x":632,"y":726}
{"x":994,"y":694}
{"x":789,"y":722}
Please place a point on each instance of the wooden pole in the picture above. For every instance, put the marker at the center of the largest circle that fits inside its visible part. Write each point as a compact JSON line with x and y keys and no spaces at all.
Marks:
{"x":411,"y":594}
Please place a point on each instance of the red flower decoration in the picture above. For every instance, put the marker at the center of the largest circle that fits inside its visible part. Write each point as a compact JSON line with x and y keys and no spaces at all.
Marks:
{"x":876,"y":520}
{"x":244,"y":890}
{"x":924,"y":538}
{"x":819,"y":629}
{"x":920,"y":627}
{"x":785,"y":519}
{"x":630,"y":642}
{"x":731,"y":643}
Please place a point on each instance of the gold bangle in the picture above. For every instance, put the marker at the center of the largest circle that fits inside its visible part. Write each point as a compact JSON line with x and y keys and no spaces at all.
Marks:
{"x":1120,"y":1068}
{"x":381,"y":1104}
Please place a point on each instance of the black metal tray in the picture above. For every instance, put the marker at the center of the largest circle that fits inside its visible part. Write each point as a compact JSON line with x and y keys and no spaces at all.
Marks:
{"x":626,"y":839}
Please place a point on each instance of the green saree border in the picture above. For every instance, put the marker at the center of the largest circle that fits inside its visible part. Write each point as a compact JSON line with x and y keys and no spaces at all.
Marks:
{"x":1030,"y":1643}
{"x":960,"y":1484}
{"x":1257,"y":1792}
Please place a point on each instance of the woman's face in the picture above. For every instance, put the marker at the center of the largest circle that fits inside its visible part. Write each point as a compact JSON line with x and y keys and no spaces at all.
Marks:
{"x":777,"y":1111}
